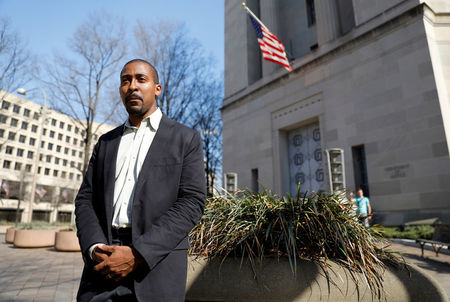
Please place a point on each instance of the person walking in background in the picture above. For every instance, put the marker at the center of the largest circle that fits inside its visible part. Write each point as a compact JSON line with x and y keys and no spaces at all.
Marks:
{"x":364,"y":208}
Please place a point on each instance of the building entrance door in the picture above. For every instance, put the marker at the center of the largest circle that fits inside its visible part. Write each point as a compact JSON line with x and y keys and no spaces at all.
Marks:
{"x":305,"y":159}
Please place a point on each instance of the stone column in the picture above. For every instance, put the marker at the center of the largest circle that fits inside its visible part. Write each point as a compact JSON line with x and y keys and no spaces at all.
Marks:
{"x":327,"y":18}
{"x":269,"y":16}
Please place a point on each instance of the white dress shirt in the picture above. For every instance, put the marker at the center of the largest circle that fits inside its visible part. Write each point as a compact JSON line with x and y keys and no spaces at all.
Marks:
{"x":133,"y":148}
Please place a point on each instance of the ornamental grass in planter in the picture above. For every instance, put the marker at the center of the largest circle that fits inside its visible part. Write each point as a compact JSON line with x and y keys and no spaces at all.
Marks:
{"x":321,"y":228}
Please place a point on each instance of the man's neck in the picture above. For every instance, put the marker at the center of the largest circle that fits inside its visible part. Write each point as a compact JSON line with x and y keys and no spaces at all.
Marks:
{"x":135,"y":120}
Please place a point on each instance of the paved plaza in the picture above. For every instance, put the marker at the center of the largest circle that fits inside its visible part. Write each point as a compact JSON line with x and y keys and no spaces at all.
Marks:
{"x":46,"y":275}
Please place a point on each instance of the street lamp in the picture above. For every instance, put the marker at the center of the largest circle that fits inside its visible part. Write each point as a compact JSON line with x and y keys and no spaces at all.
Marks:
{"x":22,"y":91}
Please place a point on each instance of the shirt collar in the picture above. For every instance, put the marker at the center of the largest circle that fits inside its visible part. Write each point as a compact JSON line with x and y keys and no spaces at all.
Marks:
{"x":151,"y":121}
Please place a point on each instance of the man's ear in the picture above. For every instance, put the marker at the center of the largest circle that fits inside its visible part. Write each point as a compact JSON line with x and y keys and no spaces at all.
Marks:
{"x":158,"y":89}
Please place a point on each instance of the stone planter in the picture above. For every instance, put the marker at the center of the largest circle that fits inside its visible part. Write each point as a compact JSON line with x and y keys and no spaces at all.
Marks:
{"x":231,"y":281}
{"x":67,"y":241}
{"x":34,"y":238}
{"x":9,"y":237}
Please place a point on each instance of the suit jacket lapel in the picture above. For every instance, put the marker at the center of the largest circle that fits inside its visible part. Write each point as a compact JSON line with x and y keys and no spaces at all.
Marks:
{"x":156,"y":151}
{"x":109,"y":176}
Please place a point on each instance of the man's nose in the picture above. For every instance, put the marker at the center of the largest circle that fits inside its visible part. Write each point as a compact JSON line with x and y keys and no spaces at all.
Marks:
{"x":133,"y":85}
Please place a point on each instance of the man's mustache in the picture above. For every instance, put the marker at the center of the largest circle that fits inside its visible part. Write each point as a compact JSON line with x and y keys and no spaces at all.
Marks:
{"x":133,"y":96}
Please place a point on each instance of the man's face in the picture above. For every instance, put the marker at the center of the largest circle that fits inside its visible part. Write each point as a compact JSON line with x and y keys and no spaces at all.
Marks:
{"x":360,"y":193}
{"x":138,"y":90}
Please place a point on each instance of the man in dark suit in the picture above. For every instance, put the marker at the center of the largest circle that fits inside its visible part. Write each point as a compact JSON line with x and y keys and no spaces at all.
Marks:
{"x":143,"y":192}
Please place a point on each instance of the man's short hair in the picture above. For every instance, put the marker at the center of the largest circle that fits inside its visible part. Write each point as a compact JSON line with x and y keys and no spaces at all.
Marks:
{"x":153,"y":70}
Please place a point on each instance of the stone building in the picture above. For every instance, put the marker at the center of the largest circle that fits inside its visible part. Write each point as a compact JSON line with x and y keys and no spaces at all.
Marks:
{"x":60,"y":162}
{"x":370,"y":77}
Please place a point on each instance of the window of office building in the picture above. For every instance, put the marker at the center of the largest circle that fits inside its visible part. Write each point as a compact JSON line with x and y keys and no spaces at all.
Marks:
{"x":52,"y":134}
{"x":311,"y":11}
{"x":53,"y":122}
{"x":81,"y":143}
{"x":13,"y":122}
{"x":60,"y":136}
{"x":70,"y":175}
{"x":66,"y":150}
{"x":42,"y":144}
{"x":32,"y":141}
{"x":41,"y":156}
{"x":22,"y":138}
{"x":46,"y":171}
{"x":17,"y":166}
{"x":16,"y":108}
{"x":3,"y":118}
{"x":11,"y":135}
{"x":50,"y":146}
{"x":74,"y":152}
{"x":5,"y":105}
{"x":58,"y":148}
{"x":34,"y":128}
{"x":79,"y":166}
{"x":48,"y":158}
{"x":72,"y":164}
{"x":24,"y":125}
{"x":6,"y":164}
{"x":61,"y":125}
{"x":82,"y":132}
{"x":57,"y":160}
{"x":19,"y":152}
{"x":9,"y":150}
{"x":64,"y":162}
{"x":63,"y":174}
{"x":75,"y":141}
{"x":55,"y":173}
{"x":39,"y":170}
{"x":26,"y":112}
{"x":28,"y":168}
{"x":67,"y":139}
{"x":78,"y":176}
{"x":69,"y":127}
{"x":80,"y":154}
{"x":2,"y":132}
{"x":30,"y":154}
{"x":44,"y":131}
{"x":36,"y":116}
{"x":76,"y":130}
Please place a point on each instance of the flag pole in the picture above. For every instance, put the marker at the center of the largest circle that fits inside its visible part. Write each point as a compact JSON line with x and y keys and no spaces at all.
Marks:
{"x":253,"y":15}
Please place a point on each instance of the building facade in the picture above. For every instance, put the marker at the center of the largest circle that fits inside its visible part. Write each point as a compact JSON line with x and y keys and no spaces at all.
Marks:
{"x":371,"y":78}
{"x":61,"y":155}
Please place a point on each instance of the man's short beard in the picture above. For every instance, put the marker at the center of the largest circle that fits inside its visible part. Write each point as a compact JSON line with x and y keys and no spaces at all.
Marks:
{"x":135,"y":112}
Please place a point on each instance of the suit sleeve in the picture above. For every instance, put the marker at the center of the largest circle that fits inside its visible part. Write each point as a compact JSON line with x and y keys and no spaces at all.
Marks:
{"x":173,"y":226}
{"x":89,"y":230}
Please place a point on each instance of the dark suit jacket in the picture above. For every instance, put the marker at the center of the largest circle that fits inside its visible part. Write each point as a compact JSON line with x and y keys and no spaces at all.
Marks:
{"x":169,"y":200}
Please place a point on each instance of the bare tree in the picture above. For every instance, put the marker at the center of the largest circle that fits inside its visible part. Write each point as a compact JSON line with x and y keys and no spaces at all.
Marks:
{"x":79,"y":85}
{"x":181,"y":64}
{"x":191,"y":93}
{"x":208,"y":121}
{"x":17,"y":65}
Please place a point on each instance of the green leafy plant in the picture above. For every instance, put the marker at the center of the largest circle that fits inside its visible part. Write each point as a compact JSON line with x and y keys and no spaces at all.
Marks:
{"x":315,"y":227}
{"x":409,"y":232}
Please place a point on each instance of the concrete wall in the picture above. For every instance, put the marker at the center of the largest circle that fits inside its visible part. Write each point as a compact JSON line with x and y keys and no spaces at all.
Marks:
{"x":379,"y":90}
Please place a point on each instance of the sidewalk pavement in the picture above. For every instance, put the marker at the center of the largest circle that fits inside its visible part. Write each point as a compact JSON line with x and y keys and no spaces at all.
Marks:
{"x":46,"y":275}
{"x":41,"y":274}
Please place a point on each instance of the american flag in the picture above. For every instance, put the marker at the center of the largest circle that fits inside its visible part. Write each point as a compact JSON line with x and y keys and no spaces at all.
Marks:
{"x":272,"y":49}
{"x":5,"y":187}
{"x":41,"y":191}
